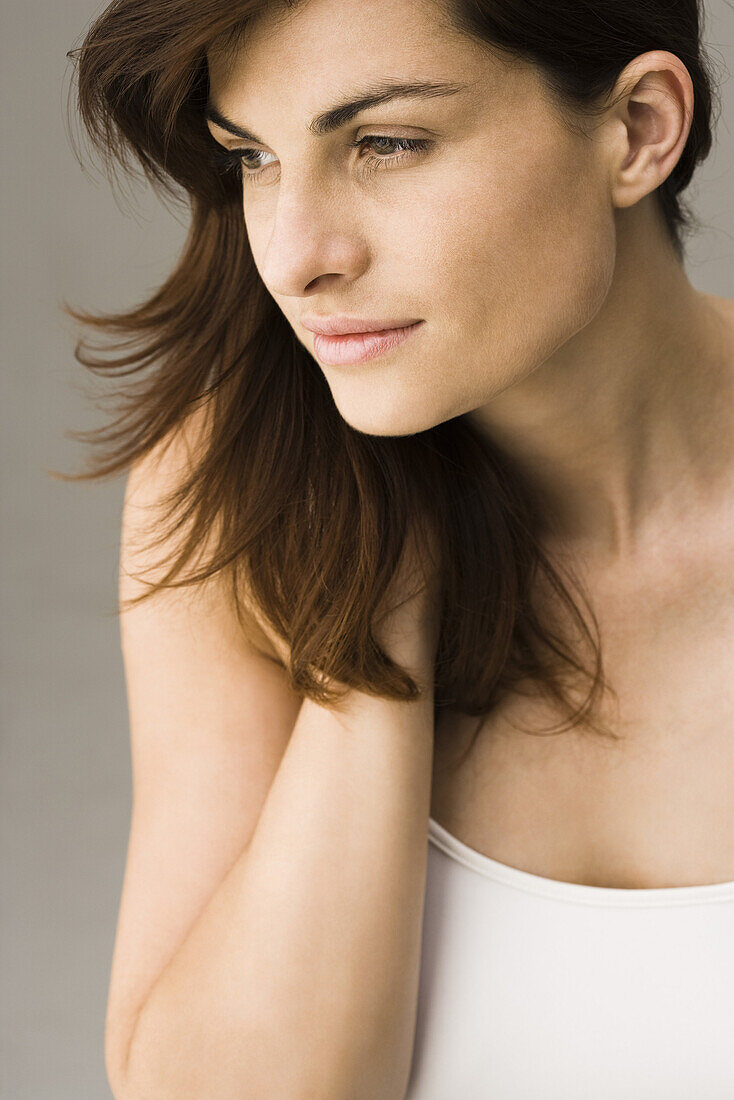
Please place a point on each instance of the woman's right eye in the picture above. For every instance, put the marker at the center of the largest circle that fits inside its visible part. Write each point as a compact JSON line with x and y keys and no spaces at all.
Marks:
{"x":231,"y":160}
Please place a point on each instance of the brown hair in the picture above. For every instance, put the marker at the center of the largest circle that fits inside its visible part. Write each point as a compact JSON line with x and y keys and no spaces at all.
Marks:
{"x":311,"y":516}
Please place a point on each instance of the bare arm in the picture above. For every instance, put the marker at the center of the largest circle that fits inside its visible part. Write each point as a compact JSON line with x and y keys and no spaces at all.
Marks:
{"x":300,"y":977}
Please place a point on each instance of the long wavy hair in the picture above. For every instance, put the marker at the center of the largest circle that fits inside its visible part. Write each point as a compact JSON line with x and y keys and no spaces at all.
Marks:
{"x":311,"y":516}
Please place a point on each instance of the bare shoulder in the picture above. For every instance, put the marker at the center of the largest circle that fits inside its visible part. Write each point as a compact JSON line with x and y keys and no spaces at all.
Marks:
{"x":143,"y":555}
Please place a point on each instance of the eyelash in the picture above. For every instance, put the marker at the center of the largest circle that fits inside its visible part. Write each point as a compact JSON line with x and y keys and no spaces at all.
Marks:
{"x":231,"y":160}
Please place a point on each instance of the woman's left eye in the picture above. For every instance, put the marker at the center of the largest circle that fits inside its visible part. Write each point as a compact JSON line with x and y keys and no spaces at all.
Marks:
{"x":407,"y":146}
{"x":235,"y":160}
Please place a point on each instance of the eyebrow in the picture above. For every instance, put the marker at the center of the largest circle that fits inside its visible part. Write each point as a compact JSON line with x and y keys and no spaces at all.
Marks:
{"x":329,"y":121}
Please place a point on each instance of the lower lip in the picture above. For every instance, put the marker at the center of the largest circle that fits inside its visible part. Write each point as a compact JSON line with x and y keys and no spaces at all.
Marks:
{"x":358,"y":347}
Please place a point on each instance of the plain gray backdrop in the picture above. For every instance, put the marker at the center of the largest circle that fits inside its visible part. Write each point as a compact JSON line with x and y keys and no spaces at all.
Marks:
{"x":65,"y":798}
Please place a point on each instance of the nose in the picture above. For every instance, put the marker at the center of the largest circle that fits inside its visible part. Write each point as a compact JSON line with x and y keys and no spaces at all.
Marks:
{"x":313,"y":235}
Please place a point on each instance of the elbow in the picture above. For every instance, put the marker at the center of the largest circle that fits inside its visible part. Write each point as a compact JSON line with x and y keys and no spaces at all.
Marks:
{"x":116,"y":1081}
{"x":119,"y":1038}
{"x":115,"y":1059}
{"x":137,"y":1069}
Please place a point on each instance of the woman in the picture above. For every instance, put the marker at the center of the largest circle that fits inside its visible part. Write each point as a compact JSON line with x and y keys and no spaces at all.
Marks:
{"x":368,"y":541}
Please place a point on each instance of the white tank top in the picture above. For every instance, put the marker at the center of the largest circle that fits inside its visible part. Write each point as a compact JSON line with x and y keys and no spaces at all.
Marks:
{"x":535,"y":989}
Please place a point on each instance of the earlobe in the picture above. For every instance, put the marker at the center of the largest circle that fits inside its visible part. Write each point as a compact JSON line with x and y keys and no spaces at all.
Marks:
{"x":655,"y":105}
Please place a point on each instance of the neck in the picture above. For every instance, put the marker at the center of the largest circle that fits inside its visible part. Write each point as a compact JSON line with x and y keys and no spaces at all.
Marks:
{"x":628,"y":427}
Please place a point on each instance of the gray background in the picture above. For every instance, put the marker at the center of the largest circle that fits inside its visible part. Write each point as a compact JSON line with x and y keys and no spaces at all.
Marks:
{"x":65,"y":770}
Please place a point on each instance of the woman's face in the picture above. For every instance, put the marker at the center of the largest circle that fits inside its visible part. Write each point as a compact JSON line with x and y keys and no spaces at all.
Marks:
{"x":498,"y":234}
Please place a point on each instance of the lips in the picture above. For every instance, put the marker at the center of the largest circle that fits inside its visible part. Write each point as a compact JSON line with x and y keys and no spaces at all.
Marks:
{"x":358,"y":347}
{"x":343,"y":325}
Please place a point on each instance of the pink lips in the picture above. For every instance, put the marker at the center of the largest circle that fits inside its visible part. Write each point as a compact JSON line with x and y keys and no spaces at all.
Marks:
{"x":358,"y":347}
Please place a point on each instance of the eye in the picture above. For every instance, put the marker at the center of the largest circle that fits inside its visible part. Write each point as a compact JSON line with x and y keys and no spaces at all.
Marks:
{"x":407,"y":146}
{"x":235,"y":160}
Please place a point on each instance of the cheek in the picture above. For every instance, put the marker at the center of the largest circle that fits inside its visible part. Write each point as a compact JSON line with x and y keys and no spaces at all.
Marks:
{"x":256,"y":231}
{"x":557,"y":242}
{"x":522,"y":252}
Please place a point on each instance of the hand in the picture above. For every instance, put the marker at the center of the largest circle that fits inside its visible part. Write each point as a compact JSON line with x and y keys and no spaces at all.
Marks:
{"x":409,"y":632}
{"x":406,"y":626}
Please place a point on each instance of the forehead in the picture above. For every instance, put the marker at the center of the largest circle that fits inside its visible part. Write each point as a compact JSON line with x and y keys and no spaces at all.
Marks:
{"x":318,"y":48}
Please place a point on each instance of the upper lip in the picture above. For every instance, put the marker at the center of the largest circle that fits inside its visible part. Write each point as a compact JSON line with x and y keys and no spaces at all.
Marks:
{"x":339,"y":325}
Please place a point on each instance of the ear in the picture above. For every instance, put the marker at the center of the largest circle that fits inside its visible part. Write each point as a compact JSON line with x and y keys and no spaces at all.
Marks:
{"x":650,"y":119}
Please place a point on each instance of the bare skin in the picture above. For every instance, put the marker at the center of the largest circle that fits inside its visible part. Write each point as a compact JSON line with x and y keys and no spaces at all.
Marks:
{"x":655,"y":809}
{"x":557,"y":316}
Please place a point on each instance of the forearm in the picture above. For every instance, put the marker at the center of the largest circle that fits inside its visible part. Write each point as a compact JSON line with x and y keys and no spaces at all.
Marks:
{"x":300,"y":977}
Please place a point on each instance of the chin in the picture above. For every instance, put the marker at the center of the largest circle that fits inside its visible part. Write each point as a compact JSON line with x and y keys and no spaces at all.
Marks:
{"x":381,"y":421}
